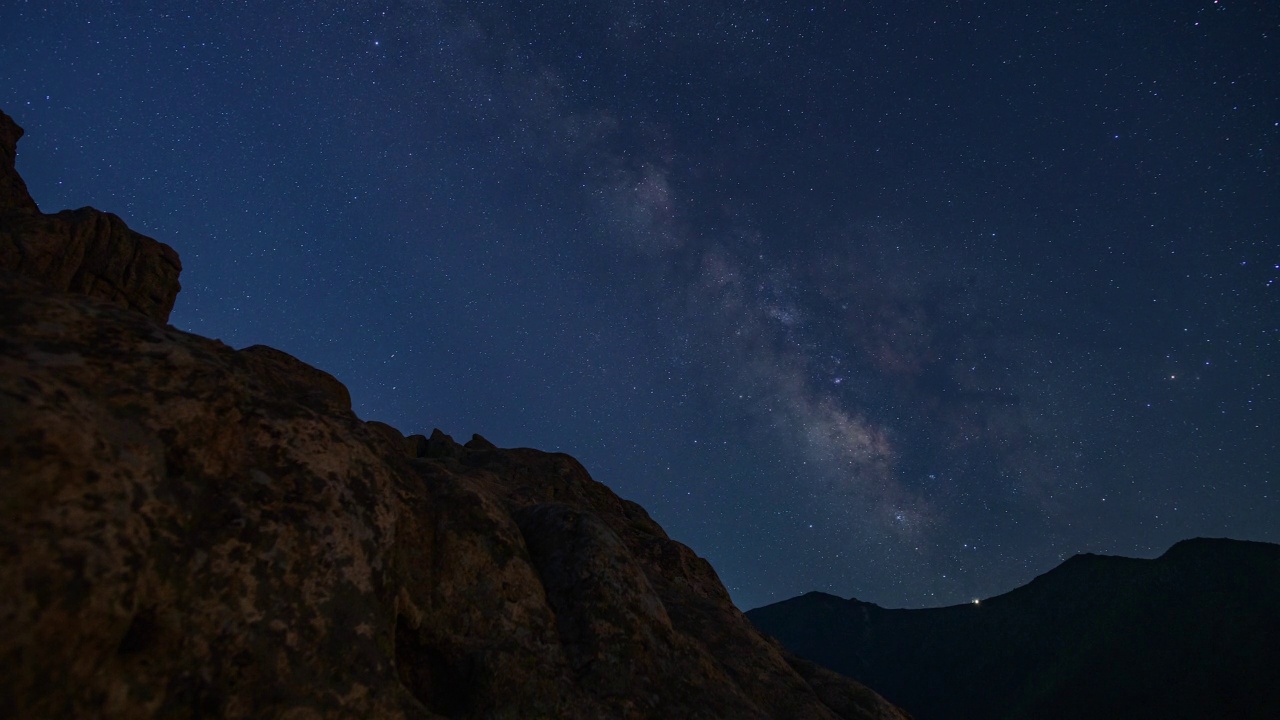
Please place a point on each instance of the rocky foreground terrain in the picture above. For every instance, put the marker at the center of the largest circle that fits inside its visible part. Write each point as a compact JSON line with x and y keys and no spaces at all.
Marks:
{"x":189,"y":530}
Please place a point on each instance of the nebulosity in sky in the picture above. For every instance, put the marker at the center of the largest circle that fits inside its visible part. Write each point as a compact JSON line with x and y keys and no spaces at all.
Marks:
{"x":901,"y":303}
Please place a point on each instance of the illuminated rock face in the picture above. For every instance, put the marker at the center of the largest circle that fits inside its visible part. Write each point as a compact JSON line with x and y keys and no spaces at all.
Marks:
{"x":197,"y":531}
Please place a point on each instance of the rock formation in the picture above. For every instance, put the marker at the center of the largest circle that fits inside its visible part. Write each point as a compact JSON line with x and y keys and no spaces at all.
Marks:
{"x":82,"y":251}
{"x":13,"y":191}
{"x":196,"y":531}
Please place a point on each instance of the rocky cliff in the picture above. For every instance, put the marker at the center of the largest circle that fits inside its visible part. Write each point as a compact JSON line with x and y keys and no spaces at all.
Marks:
{"x":191,"y":530}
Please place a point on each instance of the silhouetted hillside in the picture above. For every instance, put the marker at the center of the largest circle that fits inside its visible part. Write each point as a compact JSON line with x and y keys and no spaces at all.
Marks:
{"x":1192,"y":634}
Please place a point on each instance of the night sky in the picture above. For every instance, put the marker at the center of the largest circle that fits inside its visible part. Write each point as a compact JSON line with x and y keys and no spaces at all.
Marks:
{"x":907,"y":301}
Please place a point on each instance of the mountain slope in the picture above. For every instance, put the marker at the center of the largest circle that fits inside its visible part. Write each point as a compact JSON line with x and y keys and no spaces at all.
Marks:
{"x":1192,"y":634}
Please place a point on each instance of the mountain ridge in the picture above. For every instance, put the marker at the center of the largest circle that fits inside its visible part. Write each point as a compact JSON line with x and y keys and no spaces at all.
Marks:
{"x":1191,"y":633}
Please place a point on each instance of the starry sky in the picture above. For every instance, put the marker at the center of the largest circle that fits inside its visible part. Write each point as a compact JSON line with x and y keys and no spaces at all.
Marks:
{"x":906,"y":301}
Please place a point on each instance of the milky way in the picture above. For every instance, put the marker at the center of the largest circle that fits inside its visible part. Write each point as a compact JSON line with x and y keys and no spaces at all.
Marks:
{"x":907,"y":304}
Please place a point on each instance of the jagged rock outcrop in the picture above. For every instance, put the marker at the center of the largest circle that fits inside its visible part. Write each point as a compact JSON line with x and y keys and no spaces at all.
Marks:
{"x":196,"y":531}
{"x":83,"y":251}
{"x":13,"y":190}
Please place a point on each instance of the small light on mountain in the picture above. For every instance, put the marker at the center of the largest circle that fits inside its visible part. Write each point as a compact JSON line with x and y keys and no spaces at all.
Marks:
{"x":976,"y":601}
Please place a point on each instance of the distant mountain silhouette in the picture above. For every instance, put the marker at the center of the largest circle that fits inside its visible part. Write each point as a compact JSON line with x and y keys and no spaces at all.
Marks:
{"x":1192,"y":634}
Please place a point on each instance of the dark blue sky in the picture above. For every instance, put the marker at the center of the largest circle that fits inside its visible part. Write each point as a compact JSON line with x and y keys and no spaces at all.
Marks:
{"x":906,"y":302}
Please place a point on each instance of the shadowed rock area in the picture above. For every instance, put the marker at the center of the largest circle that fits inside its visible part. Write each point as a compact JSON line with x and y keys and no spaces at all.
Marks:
{"x":1193,"y":634}
{"x":194,"y":531}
